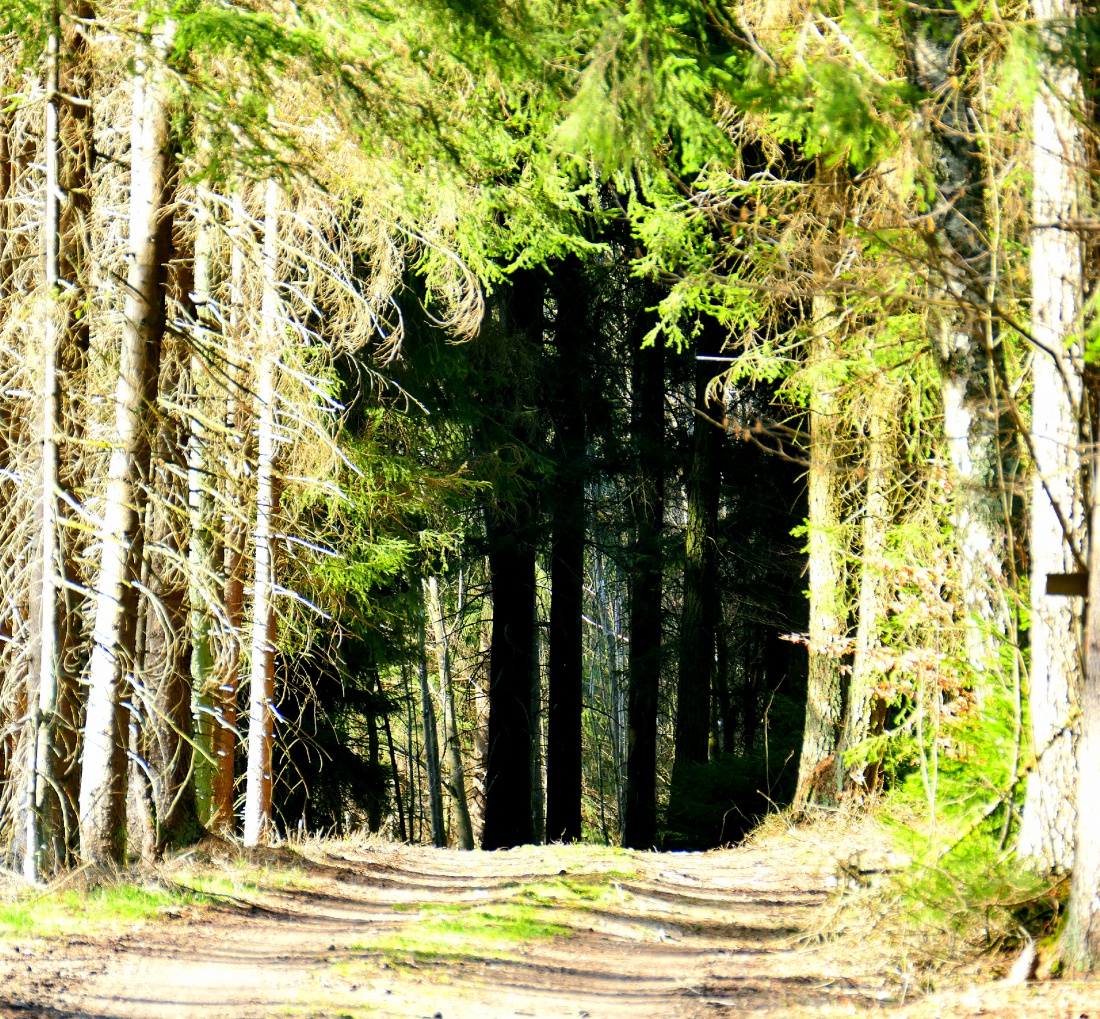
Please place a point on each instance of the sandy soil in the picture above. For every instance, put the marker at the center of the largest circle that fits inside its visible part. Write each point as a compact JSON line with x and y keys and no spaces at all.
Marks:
{"x":381,"y":931}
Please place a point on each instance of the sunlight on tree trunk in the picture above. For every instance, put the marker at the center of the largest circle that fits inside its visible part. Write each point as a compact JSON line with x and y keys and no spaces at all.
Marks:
{"x":823,"y":692}
{"x":261,"y":697}
{"x":234,"y":561}
{"x":203,"y":574}
{"x":1080,"y":941}
{"x":862,"y":701}
{"x":42,"y":775}
{"x":103,"y":772}
{"x":1047,"y":831}
{"x":166,"y":662}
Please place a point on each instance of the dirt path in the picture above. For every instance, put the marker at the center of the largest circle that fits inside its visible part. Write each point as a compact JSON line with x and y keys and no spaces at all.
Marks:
{"x":409,"y":932}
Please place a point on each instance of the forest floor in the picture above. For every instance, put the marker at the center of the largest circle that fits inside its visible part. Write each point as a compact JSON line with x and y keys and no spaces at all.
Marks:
{"x":344,"y":930}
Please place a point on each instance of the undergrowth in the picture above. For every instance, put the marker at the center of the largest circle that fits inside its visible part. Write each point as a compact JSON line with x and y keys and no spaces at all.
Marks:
{"x":956,"y":896}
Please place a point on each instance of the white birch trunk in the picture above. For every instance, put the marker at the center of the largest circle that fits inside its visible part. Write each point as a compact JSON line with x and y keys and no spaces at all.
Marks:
{"x":1047,"y":832}
{"x":103,"y":774}
{"x":258,"y":777}
{"x":48,"y":681}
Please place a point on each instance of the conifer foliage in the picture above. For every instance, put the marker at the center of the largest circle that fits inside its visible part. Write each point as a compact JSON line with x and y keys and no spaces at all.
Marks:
{"x":494,"y":423}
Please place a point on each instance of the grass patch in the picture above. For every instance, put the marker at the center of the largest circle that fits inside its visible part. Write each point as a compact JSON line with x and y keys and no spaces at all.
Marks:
{"x":245,"y":882}
{"x":83,"y":911}
{"x":583,"y":892}
{"x":464,"y":931}
{"x":524,"y":912}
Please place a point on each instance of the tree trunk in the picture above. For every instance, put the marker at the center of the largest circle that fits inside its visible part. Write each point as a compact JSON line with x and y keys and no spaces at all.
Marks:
{"x":6,"y":175}
{"x":508,"y":782}
{"x":141,"y":829}
{"x":376,"y":801}
{"x":723,"y":687}
{"x":203,"y":573}
{"x":480,"y":679}
{"x":234,"y":558}
{"x":103,"y":774}
{"x":261,"y":696}
{"x":697,"y":621}
{"x":1080,"y":942}
{"x":141,"y":833}
{"x":538,"y":790}
{"x":40,"y":818}
{"x":961,"y":334}
{"x":411,"y":759}
{"x":861,"y":701}
{"x":165,"y":676}
{"x":644,"y":667}
{"x":431,"y":746}
{"x":827,"y":624}
{"x":1046,"y":834}
{"x":566,"y":665}
{"x":456,"y":777}
{"x":77,"y":136}
{"x":383,"y":707}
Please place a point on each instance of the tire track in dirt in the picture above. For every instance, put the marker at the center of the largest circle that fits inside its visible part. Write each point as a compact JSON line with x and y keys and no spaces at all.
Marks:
{"x":651,"y":935}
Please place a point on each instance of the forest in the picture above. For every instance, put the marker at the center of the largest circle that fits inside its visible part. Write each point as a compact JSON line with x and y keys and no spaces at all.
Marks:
{"x":485,"y":423}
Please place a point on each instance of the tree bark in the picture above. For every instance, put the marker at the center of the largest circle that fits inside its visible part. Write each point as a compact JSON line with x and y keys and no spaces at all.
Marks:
{"x":411,"y":756}
{"x":166,"y":678}
{"x":1057,"y":285}
{"x":823,"y":686}
{"x":538,"y":789}
{"x":480,"y":677}
{"x":141,"y":833}
{"x":43,"y":777}
{"x":376,"y":801}
{"x":261,"y":695}
{"x":565,"y":664}
{"x":512,"y":533}
{"x":103,"y":773}
{"x":77,"y":135}
{"x":644,"y":666}
{"x":1080,"y":942}
{"x":383,"y":707}
{"x":861,"y":702}
{"x":456,"y":777}
{"x":6,"y":175}
{"x":697,"y":620}
{"x":431,"y":745}
{"x":508,"y":782}
{"x":203,"y":572}
{"x":961,"y":334}
{"x":234,"y":559}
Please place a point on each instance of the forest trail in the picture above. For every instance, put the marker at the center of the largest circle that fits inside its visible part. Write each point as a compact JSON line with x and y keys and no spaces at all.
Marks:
{"x":412,"y":932}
